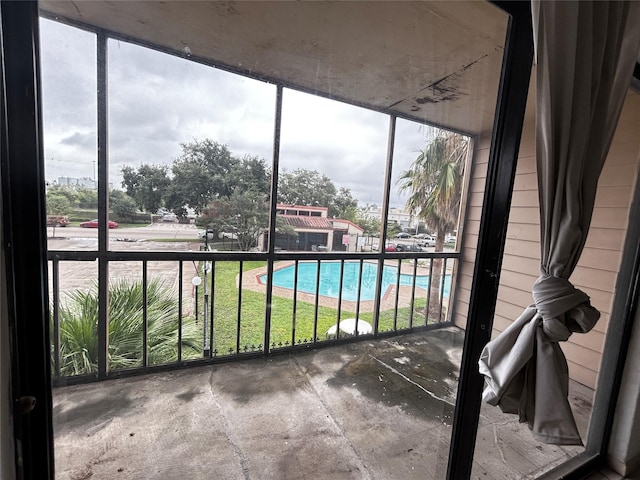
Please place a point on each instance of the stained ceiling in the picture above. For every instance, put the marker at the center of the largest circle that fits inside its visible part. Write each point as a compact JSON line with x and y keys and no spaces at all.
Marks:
{"x":435,"y":62}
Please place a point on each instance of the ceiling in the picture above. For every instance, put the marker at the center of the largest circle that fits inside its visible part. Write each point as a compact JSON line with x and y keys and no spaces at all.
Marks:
{"x":435,"y":62}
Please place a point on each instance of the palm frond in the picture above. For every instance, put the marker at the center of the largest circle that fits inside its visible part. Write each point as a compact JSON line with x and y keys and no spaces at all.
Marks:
{"x":79,"y":327}
{"x":434,"y":181}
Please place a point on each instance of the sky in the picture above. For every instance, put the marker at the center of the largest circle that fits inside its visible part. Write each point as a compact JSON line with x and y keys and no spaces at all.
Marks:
{"x":157,"y":101}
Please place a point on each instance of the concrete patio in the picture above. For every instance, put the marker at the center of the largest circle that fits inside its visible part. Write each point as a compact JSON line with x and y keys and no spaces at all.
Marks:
{"x":377,"y":409}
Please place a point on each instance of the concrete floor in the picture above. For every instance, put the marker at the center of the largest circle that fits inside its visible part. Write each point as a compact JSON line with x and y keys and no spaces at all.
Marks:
{"x":368,"y":410}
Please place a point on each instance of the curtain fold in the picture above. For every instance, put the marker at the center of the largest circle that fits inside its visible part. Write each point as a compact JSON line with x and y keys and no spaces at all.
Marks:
{"x":585,"y":55}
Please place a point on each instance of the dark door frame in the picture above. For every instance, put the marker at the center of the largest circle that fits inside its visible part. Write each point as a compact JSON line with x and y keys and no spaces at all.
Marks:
{"x":24,"y":239}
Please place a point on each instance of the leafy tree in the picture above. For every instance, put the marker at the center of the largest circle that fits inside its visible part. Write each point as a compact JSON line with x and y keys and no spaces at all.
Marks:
{"x":57,"y":205}
{"x":148,"y":185}
{"x":393,"y":227}
{"x":122,"y":205}
{"x":434,"y":182}
{"x":63,"y":191}
{"x":371,"y":225}
{"x":346,"y":206}
{"x":79,"y":320}
{"x":206,"y":171}
{"x":86,"y":198}
{"x":191,"y":187}
{"x":250,"y":173}
{"x":311,"y":188}
{"x":245,"y":214}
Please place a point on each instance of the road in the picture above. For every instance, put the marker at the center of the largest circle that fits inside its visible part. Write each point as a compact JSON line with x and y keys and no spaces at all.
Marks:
{"x":76,"y":238}
{"x":146,"y":232}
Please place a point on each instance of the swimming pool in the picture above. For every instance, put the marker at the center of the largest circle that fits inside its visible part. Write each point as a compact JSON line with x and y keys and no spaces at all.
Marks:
{"x":330,"y":279}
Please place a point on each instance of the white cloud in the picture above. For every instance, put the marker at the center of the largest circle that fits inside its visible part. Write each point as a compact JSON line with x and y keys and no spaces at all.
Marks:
{"x":157,"y":101}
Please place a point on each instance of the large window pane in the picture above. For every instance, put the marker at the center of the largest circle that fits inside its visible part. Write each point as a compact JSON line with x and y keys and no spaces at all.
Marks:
{"x":69,"y":123}
{"x":190,"y":149}
{"x":332,"y":166}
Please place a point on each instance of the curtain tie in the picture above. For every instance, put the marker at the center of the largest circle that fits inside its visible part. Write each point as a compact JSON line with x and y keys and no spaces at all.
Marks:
{"x":564,"y":309}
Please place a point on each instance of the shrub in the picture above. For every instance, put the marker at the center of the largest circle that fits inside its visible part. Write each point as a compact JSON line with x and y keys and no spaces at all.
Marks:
{"x":79,"y":323}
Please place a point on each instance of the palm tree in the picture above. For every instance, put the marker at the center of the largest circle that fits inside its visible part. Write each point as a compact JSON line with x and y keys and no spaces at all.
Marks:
{"x":79,"y":325}
{"x":434,"y":181}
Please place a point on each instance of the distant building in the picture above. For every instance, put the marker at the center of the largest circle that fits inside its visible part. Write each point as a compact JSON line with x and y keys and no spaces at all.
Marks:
{"x":83,"y":182}
{"x":314,"y":231}
{"x":404,"y":219}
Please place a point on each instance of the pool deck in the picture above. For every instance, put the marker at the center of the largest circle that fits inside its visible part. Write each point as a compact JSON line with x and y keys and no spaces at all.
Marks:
{"x":251,"y":281}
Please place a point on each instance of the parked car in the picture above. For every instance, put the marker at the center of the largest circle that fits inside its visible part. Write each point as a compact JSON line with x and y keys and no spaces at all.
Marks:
{"x":429,"y":241}
{"x":402,"y":235}
{"x":450,"y":239}
{"x":391,"y":247}
{"x":408,"y":248}
{"x":94,"y":224}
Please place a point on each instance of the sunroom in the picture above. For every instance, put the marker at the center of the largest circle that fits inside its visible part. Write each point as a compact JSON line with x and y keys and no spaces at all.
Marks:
{"x":352,"y":92}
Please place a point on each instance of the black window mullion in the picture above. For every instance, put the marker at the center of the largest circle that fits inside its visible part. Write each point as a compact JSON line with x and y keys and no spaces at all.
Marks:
{"x":295,"y":303}
{"x":339,"y":309}
{"x":427,"y":307}
{"x":413,"y":292}
{"x":443,"y":280}
{"x":382,"y":243}
{"x":24,"y":239}
{"x":505,"y":143}
{"x":358,"y":294}
{"x":212,"y":351}
{"x":145,"y":325}
{"x":55,"y":274}
{"x":180,"y":280}
{"x":273,"y":200}
{"x":239,"y":312}
{"x":316,"y":303}
{"x":103,"y":206}
{"x":395,"y":307}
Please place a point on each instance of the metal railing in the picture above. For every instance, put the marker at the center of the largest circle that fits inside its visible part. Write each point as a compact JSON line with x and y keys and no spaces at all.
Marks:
{"x":204,"y":307}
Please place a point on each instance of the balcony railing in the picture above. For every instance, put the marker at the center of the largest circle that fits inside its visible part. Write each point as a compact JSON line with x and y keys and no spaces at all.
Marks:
{"x":173,"y":309}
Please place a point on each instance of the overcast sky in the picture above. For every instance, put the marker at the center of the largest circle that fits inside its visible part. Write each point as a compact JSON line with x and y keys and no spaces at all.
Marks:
{"x":158,"y":101}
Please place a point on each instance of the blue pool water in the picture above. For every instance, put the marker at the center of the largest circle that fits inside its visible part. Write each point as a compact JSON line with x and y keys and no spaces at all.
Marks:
{"x":330,"y":279}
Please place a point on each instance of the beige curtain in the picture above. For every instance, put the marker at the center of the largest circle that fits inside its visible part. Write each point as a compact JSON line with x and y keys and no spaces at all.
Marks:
{"x":585,"y":54}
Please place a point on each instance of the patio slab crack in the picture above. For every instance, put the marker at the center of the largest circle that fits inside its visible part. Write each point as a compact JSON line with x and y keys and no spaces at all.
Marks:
{"x":361,"y":465}
{"x":404,"y":377}
{"x":227,"y":432}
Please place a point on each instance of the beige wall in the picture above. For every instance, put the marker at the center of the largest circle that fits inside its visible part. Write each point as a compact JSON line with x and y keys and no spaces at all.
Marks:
{"x":597,"y":270}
